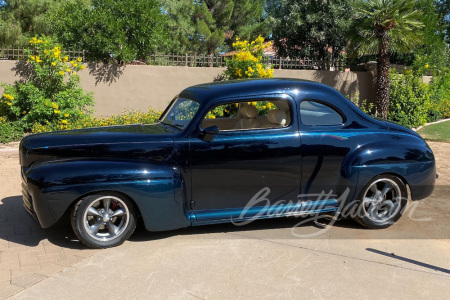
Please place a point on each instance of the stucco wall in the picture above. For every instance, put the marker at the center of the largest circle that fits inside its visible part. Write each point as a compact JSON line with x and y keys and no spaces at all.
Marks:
{"x":118,"y":88}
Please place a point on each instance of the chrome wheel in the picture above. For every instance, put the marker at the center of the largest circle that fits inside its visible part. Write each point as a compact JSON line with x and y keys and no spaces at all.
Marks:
{"x":382,"y":200}
{"x":106,"y":218}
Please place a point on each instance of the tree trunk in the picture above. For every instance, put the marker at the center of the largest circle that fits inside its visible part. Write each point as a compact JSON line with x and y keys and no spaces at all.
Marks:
{"x":383,"y":81}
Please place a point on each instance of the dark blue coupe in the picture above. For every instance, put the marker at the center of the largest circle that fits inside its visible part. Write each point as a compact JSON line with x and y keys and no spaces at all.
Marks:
{"x":227,"y":152}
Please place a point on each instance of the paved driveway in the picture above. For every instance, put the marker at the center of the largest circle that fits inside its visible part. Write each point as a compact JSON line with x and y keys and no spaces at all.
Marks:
{"x":29,"y":254}
{"x":264,"y":259}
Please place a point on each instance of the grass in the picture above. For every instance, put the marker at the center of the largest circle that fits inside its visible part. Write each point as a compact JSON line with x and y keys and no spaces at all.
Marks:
{"x":439,"y":132}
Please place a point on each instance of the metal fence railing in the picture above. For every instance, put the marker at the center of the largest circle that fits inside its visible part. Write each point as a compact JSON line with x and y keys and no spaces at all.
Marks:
{"x":201,"y":60}
{"x":305,"y":63}
{"x":191,"y":60}
{"x":19,"y":53}
{"x":187,"y":60}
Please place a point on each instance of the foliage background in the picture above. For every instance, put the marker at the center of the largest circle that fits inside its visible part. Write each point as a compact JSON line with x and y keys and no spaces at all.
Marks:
{"x":211,"y":26}
{"x":130,"y":29}
{"x":410,"y":100}
{"x":309,"y":28}
{"x":123,"y":31}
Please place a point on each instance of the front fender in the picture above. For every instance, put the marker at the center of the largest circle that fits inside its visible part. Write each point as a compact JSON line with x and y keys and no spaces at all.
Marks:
{"x":412,"y":160}
{"x":155,"y":188}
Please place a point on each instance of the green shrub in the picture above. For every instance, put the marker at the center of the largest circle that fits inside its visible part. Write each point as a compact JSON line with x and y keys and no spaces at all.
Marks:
{"x":410,"y":101}
{"x":440,"y":93}
{"x":366,"y":107}
{"x":10,"y":131}
{"x":51,"y":94}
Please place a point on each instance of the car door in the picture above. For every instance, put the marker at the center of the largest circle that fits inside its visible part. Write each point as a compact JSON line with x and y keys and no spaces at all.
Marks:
{"x":237,"y":164}
{"x":324,"y":148}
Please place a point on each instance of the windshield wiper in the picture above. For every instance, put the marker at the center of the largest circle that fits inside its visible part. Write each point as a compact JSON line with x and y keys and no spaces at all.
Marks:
{"x":176,"y":126}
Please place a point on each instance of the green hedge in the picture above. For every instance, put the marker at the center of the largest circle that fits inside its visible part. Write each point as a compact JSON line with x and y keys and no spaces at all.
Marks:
{"x":414,"y":103}
{"x":410,"y":101}
{"x":10,"y":132}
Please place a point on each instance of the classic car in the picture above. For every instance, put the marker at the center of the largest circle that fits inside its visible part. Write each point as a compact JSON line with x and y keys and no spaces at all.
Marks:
{"x":227,"y":152}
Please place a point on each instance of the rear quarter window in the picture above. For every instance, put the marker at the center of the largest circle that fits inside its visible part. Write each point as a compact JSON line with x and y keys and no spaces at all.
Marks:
{"x":315,"y":113}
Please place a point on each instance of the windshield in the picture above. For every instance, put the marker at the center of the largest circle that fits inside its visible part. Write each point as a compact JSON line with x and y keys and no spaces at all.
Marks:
{"x":181,"y":113}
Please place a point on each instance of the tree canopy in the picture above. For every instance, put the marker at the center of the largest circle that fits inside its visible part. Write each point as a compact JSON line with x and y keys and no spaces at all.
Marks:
{"x":21,"y":19}
{"x":309,"y":28}
{"x":208,"y":26}
{"x":434,"y":51}
{"x":132,"y":29}
{"x":124,"y":30}
{"x":444,"y":13}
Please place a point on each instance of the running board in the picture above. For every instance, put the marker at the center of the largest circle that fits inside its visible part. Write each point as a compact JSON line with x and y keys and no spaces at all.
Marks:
{"x":216,"y":216}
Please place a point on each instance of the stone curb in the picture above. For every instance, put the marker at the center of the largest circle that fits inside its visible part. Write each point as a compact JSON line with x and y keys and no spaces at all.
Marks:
{"x":440,"y":121}
{"x":9,"y":151}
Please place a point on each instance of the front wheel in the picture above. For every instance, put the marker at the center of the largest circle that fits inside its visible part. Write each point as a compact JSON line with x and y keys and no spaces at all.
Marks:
{"x":103,"y":220}
{"x":381,"y":202}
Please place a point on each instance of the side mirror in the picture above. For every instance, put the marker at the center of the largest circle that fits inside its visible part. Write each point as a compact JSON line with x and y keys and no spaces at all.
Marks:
{"x":209,"y":132}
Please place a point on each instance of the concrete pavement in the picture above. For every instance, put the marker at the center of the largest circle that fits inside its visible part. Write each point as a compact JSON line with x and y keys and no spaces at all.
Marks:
{"x":242,"y":265}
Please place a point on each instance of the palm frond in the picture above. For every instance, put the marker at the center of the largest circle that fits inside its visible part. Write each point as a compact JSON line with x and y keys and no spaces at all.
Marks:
{"x":395,"y":20}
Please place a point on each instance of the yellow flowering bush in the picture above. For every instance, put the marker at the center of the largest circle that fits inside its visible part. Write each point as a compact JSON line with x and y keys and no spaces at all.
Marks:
{"x":248,"y":62}
{"x":223,"y":111}
{"x":51,"y":94}
{"x":126,"y":118}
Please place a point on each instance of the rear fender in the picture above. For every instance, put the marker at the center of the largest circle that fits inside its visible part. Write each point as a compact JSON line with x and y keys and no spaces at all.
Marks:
{"x":412,"y":162}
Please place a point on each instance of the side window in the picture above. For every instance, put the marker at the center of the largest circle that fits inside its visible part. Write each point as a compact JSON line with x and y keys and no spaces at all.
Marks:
{"x":250,"y":114}
{"x":314,"y":113}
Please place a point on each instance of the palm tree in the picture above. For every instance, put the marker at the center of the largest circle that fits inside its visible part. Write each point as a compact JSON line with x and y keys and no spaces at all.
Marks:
{"x":383,"y":27}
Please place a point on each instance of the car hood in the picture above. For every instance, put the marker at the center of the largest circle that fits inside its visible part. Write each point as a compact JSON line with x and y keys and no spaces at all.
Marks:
{"x":141,"y":142}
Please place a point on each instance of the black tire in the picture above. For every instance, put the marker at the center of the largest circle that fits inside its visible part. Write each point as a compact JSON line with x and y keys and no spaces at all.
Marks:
{"x":381,"y":211}
{"x":103,"y":220}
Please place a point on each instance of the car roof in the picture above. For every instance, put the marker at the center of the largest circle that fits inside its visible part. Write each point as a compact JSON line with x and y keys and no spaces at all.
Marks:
{"x":251,"y":87}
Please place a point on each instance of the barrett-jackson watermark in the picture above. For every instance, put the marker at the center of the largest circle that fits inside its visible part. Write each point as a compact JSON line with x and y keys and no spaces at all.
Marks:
{"x":315,"y":210}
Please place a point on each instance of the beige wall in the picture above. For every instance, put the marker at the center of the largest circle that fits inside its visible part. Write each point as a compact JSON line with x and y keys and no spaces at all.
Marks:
{"x":138,"y":87}
{"x":347,"y":83}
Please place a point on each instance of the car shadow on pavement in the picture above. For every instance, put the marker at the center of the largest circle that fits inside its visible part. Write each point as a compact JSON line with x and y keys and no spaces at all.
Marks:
{"x":17,"y":227}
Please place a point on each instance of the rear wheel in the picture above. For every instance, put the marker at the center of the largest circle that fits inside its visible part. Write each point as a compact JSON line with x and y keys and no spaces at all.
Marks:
{"x":103,"y":220}
{"x":381,"y":202}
